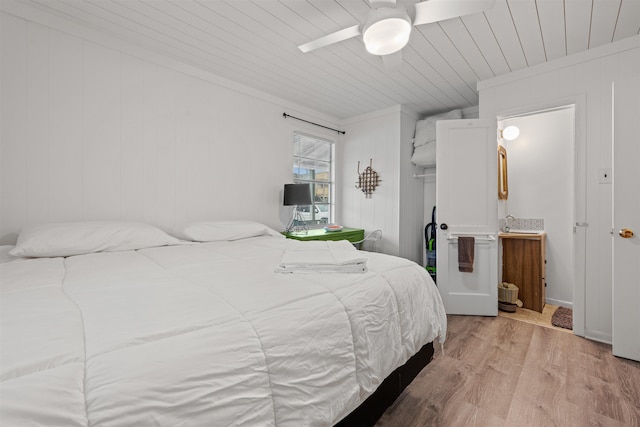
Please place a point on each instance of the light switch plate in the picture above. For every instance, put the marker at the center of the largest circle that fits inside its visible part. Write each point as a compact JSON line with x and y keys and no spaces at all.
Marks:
{"x":605,"y":176}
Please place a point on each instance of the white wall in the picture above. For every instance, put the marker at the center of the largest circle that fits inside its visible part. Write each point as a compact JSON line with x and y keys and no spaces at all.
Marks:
{"x":395,"y":207}
{"x":584,"y":79}
{"x":374,"y":136}
{"x":94,"y":129}
{"x":411,"y":194}
{"x":91,"y":133}
{"x":541,"y":185}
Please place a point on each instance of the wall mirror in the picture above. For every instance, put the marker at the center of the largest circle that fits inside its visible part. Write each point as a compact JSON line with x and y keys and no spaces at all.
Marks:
{"x":503,"y":186}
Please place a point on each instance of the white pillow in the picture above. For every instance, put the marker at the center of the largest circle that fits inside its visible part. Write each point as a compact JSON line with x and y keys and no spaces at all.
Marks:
{"x":426,"y":129}
{"x":75,"y":238}
{"x":424,"y":155}
{"x":4,"y":254}
{"x":214,"y":231}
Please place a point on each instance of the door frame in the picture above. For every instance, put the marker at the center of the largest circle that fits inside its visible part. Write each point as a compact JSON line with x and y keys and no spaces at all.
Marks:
{"x":580,"y":193}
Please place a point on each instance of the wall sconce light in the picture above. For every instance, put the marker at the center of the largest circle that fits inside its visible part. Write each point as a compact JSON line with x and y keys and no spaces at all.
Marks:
{"x":509,"y":133}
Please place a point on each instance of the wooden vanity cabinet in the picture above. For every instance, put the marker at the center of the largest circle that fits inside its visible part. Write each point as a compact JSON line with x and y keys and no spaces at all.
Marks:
{"x":523,"y":264}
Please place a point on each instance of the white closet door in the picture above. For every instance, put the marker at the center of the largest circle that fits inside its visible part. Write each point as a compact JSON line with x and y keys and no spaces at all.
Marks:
{"x":626,"y":219}
{"x":467,"y":205}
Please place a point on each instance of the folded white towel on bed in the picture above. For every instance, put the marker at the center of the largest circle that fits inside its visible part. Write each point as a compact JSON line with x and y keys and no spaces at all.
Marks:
{"x":323,"y":257}
{"x":356,"y":268}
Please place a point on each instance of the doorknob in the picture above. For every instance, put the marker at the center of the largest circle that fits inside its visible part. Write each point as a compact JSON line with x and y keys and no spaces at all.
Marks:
{"x":443,"y":226}
{"x":626,"y":233}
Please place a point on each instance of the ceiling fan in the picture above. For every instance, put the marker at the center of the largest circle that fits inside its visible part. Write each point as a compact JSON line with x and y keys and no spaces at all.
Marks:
{"x":388,"y":27}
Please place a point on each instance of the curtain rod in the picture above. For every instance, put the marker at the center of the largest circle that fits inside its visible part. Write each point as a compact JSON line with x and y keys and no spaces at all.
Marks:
{"x":285,"y":115}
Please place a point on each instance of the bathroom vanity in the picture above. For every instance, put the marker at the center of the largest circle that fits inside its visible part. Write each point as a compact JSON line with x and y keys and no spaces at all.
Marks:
{"x":523,"y":264}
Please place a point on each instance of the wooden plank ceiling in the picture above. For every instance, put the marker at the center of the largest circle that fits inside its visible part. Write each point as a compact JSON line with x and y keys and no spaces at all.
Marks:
{"x":255,"y":42}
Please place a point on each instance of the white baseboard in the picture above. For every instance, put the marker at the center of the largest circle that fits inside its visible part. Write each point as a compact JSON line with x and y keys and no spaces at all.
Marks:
{"x":559,"y":302}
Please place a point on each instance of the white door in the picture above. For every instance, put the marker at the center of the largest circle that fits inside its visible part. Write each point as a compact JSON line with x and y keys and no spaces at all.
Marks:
{"x":626,"y":219}
{"x":467,"y":205}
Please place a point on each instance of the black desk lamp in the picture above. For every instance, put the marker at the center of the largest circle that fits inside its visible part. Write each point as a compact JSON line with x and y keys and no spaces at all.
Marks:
{"x":297,"y":195}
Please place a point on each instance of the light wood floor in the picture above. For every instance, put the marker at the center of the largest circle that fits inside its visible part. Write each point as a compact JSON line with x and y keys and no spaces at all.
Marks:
{"x":531,"y":316}
{"x":497,"y":371}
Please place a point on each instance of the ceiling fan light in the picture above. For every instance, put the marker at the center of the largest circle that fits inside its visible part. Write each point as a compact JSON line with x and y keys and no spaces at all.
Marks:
{"x":387,"y":36}
{"x":386,"y":31}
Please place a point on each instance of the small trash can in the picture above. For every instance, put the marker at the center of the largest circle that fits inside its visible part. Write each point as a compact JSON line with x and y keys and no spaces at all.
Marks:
{"x":508,"y":297}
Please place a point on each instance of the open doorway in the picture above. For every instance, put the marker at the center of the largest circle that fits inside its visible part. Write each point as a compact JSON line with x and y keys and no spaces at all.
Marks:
{"x":542,"y":186}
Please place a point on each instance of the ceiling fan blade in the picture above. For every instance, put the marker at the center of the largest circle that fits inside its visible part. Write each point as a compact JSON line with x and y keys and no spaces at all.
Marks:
{"x":382,"y":3}
{"x":439,"y":10}
{"x":332,"y":38}
{"x":393,"y":61}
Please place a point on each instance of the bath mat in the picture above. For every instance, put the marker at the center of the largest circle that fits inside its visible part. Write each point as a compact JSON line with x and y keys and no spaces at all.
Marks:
{"x":563,"y":318}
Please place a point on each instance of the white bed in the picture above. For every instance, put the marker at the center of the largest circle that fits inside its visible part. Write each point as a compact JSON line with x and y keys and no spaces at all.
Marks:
{"x":204,"y":334}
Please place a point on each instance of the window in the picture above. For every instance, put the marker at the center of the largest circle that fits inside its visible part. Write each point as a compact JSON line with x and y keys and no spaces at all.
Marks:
{"x":313,"y":164}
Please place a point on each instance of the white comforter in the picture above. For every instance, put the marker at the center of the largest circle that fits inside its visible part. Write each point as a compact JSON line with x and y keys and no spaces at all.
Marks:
{"x":204,"y":334}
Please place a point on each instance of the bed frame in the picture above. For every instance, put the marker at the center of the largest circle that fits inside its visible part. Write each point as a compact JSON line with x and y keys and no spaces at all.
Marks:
{"x":372,"y":409}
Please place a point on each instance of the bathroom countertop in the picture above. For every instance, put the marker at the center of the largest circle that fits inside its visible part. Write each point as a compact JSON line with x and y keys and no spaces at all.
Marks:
{"x":515,"y":234}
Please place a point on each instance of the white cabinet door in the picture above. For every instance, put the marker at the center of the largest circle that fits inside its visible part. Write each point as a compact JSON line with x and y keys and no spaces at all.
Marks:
{"x":467,"y":205}
{"x":626,"y":215}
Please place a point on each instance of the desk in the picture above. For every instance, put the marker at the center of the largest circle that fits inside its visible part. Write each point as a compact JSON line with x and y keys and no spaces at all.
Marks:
{"x":350,"y":234}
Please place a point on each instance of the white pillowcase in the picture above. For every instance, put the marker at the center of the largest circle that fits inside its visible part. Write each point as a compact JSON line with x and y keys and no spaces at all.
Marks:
{"x":425,"y":155}
{"x":426,"y":129}
{"x":214,"y":231}
{"x":75,"y":238}
{"x":4,"y":254}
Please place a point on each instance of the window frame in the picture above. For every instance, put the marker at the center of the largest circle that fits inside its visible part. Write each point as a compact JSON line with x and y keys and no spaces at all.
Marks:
{"x":330,"y":182}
